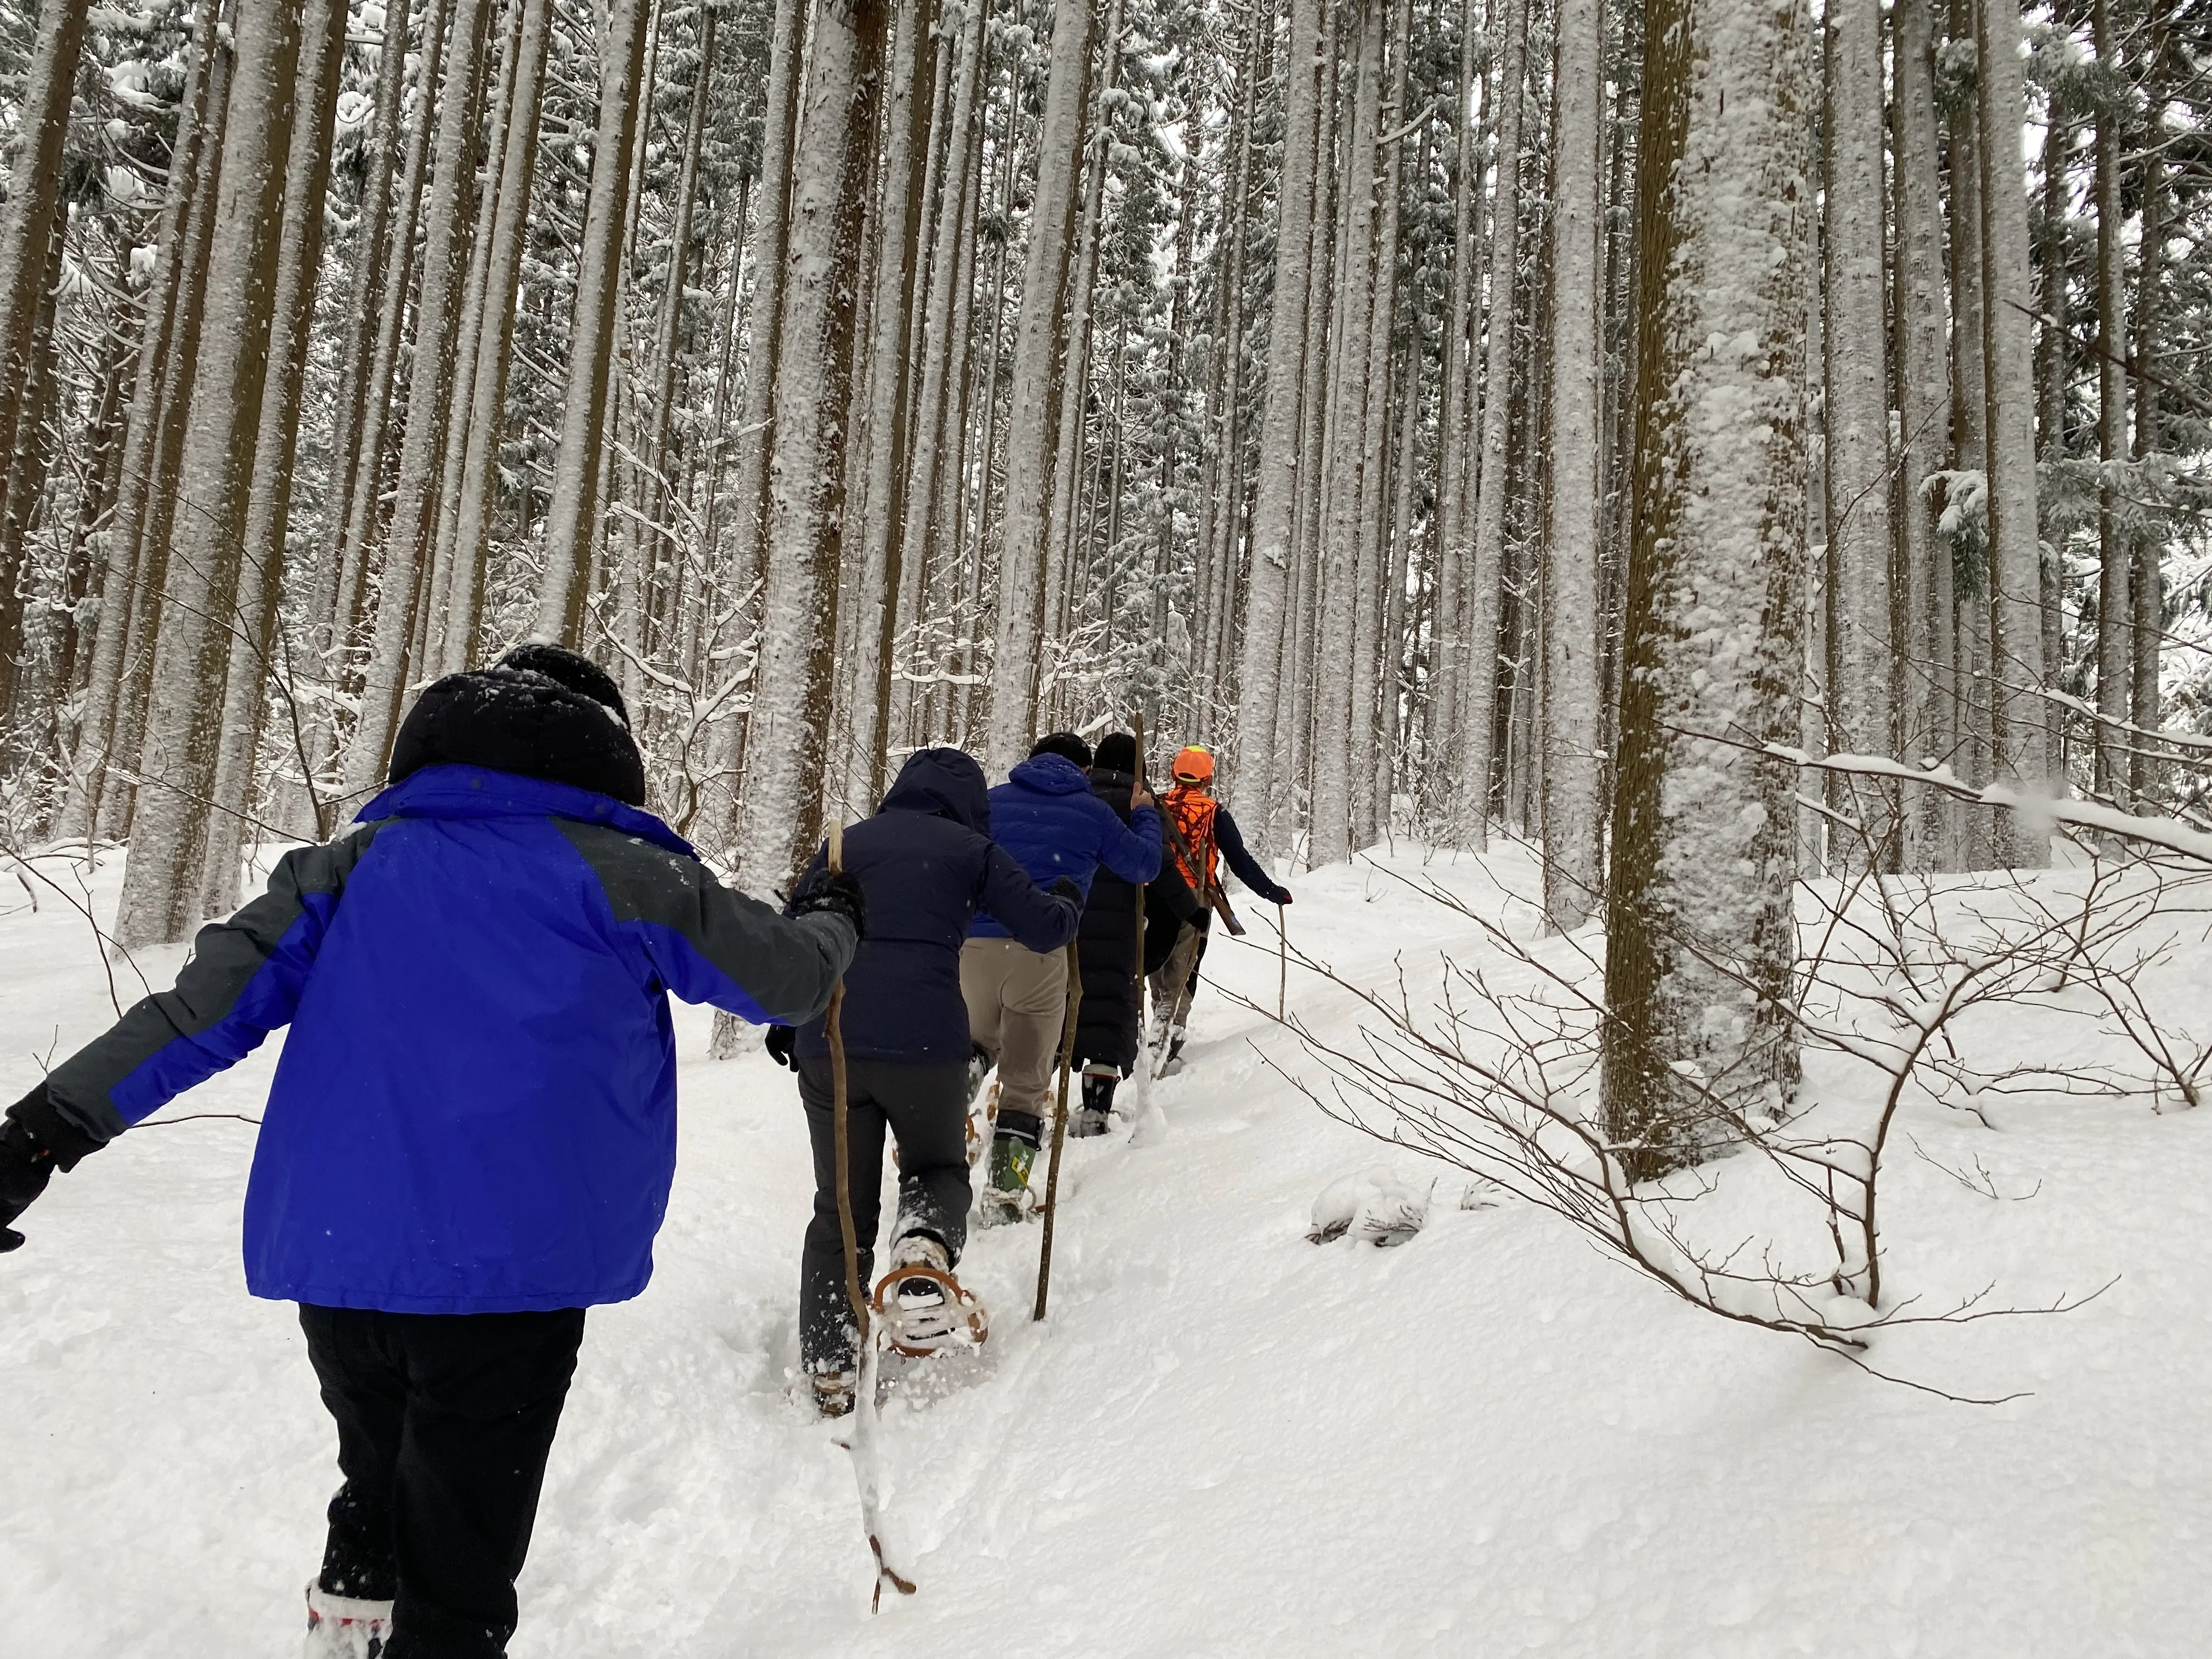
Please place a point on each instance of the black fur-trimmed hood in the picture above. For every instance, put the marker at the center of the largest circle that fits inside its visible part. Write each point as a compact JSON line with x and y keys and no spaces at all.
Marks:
{"x":540,"y":711}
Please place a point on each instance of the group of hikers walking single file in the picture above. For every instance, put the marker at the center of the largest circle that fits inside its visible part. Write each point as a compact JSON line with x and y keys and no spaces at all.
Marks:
{"x":471,"y":1136}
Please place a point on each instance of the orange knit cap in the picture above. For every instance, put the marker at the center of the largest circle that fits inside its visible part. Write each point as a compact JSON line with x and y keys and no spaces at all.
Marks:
{"x":1194,"y":764}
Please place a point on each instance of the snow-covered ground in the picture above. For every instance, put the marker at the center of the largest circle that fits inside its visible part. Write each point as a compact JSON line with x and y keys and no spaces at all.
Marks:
{"x":1226,"y":1441}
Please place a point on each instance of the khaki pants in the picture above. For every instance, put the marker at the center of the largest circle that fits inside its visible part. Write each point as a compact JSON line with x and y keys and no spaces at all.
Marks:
{"x":1017,"y":1004}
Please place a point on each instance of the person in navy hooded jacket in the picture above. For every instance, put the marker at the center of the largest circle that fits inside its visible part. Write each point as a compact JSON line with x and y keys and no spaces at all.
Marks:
{"x":471,"y":1132}
{"x":925,"y":864}
{"x":1047,"y":816}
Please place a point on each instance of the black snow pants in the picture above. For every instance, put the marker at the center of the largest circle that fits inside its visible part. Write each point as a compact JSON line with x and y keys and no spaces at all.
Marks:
{"x":925,"y":1110}
{"x":443,"y":1422}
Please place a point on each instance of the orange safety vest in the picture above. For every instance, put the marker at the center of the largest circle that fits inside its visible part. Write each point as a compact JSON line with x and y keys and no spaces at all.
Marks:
{"x":1192,"y":811}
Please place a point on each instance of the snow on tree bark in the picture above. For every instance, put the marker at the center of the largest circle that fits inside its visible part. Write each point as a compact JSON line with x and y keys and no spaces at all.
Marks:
{"x":572,"y":518}
{"x":1699,"y":922}
{"x":780,"y":816}
{"x":1862,"y":657}
{"x":253,"y":625}
{"x":1927,"y":691}
{"x":1032,"y":422}
{"x":2015,"y":563}
{"x":1481,"y":600}
{"x":1573,"y":883}
{"x":1253,"y":782}
{"x":160,"y":886}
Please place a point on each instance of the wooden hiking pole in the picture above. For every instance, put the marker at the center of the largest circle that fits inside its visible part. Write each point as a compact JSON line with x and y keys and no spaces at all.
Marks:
{"x":862,"y":1442}
{"x":1282,"y":962}
{"x":1059,"y":1129}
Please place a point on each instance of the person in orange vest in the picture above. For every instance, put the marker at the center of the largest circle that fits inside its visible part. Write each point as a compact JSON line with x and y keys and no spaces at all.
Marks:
{"x":1200,"y":836}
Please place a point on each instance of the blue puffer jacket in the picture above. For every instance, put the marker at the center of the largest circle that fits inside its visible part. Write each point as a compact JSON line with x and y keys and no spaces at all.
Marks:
{"x":475,"y":1111}
{"x":1046,"y":815}
{"x":925,"y":863}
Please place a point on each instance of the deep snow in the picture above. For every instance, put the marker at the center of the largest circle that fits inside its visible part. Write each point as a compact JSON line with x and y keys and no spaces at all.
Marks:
{"x":1226,"y":1441}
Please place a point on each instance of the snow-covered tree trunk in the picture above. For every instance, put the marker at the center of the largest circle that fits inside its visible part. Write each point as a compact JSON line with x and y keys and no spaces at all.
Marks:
{"x":1573,"y":883}
{"x":372,"y":253}
{"x":1699,"y":932}
{"x":744,"y":556}
{"x":253,"y":663}
{"x":487,"y":413}
{"x":1474,"y":758}
{"x":1375,"y":503}
{"x":781,"y":813}
{"x":449,"y":216}
{"x":1862,"y":657}
{"x":1928,"y":697}
{"x":31,"y":223}
{"x":572,"y":517}
{"x":2113,"y":551}
{"x":1254,"y":783}
{"x":1344,"y":400}
{"x":1032,"y":422}
{"x":133,"y":557}
{"x":1449,"y":659}
{"x":889,"y":392}
{"x":161,"y":882}
{"x":366,"y":496}
{"x":936,"y":422}
{"x":2146,"y":353}
{"x":2015,"y":559}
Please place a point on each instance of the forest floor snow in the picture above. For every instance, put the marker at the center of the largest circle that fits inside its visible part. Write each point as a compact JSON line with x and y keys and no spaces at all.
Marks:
{"x":1225,"y":1441}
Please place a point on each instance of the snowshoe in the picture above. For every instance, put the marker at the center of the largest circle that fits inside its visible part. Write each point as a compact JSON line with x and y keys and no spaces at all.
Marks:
{"x":345,"y":1627}
{"x":921,"y":1308}
{"x":1013,"y":1154}
{"x":979,"y":1067}
{"x":834,"y":1392}
{"x":1085,"y":1121}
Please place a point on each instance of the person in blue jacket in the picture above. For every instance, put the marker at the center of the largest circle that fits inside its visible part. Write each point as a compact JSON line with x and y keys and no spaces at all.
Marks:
{"x":471,"y":1132}
{"x":1047,"y":816}
{"x":925,"y":864}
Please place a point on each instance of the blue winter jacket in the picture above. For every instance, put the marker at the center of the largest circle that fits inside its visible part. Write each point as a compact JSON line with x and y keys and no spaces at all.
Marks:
{"x":925,"y":863}
{"x":475,"y":1111}
{"x":1046,"y":815}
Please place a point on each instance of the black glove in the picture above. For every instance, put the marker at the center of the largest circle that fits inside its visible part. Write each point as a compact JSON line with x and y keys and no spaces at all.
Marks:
{"x":838,"y":893}
{"x":782,"y":1040}
{"x":1286,"y":896}
{"x":1065,"y":887}
{"x":34,"y":1142}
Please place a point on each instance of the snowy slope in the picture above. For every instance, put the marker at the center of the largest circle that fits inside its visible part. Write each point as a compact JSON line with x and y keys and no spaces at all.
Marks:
{"x":1226,"y":1441}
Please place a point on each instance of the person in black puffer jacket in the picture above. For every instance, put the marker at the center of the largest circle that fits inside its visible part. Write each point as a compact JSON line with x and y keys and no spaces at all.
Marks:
{"x":1106,"y":1025}
{"x":925,"y":863}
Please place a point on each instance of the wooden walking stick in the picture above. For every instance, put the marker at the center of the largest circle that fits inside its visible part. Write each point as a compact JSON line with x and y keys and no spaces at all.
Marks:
{"x":1282,"y":962}
{"x":1059,"y":1129}
{"x":866,"y":1470}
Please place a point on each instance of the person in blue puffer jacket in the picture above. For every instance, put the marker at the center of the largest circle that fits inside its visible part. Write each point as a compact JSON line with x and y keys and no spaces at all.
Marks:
{"x":1047,"y":816}
{"x":471,"y":1132}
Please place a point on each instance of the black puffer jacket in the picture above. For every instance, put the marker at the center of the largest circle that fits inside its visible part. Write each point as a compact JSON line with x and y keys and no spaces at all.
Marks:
{"x":1106,"y":1025}
{"x":927,"y":863}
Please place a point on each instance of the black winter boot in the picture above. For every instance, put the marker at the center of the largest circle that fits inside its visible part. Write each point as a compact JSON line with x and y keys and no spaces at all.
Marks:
{"x":1092,"y":1118}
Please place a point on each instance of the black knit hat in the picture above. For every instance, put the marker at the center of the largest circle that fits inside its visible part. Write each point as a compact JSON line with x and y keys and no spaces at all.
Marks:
{"x":1066,"y":744}
{"x":1117,"y":753}
{"x":541,"y":711}
{"x":572,"y":668}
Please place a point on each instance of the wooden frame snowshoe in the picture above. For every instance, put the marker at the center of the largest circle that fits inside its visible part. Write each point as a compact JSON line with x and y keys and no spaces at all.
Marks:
{"x":971,"y":1323}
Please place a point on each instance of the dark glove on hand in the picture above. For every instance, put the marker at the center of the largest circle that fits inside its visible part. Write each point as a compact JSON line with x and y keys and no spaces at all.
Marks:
{"x":1065,"y":887}
{"x":28,"y":1157}
{"x":839,"y":893}
{"x":1286,"y":898}
{"x":782,"y":1040}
